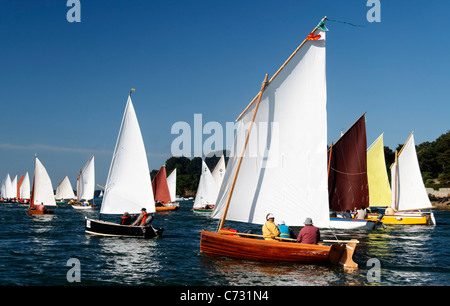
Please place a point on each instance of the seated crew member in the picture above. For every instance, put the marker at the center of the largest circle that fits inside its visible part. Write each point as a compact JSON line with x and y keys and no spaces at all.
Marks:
{"x":270,"y":229}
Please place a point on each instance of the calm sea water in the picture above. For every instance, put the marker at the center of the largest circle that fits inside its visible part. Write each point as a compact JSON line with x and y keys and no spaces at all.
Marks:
{"x":34,"y":250}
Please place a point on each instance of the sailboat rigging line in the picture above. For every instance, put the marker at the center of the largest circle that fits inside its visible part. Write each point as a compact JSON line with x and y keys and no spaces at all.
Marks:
{"x":333,"y":233}
{"x":230,"y":193}
{"x":347,"y":173}
{"x":345,"y":22}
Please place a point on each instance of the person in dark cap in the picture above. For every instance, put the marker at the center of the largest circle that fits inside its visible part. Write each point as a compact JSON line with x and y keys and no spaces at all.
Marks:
{"x":309,"y":233}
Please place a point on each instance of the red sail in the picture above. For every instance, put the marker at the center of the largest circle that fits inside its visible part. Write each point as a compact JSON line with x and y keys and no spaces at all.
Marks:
{"x":347,"y":180}
{"x":160,"y":187}
{"x":18,"y":187}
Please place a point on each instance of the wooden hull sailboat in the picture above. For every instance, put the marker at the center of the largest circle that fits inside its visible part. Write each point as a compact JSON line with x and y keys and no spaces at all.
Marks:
{"x":128,"y":186}
{"x":167,"y":207}
{"x":42,"y":191}
{"x":287,"y":179}
{"x":237,"y":246}
{"x":45,"y":211}
{"x":163,"y":200}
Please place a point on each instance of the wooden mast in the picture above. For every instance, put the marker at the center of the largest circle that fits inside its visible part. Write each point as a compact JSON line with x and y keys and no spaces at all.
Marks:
{"x":285,"y":63}
{"x":263,"y":86}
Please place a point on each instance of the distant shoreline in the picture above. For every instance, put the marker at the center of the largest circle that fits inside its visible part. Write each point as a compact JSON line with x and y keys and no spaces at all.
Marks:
{"x":441,"y":205}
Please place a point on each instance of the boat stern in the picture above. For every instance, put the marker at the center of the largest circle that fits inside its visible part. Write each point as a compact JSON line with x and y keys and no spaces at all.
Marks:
{"x":342,"y":254}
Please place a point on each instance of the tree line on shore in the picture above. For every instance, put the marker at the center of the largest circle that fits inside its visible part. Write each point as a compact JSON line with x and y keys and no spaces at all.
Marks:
{"x":434,"y":161}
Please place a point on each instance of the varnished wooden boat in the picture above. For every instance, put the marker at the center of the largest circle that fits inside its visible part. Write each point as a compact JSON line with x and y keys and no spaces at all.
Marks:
{"x":167,"y":207}
{"x":237,"y":246}
{"x":104,"y":228}
{"x":40,"y":212}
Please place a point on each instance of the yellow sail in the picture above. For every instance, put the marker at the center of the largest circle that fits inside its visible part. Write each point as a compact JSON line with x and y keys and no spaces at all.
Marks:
{"x":379,"y":189}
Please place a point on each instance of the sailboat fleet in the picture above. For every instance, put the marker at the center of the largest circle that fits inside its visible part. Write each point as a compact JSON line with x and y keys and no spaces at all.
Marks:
{"x":294,"y":180}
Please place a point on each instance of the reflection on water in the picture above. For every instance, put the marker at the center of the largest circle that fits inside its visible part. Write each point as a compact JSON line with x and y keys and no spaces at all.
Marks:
{"x":128,"y":260}
{"x":34,"y":250}
{"x":226,"y":271}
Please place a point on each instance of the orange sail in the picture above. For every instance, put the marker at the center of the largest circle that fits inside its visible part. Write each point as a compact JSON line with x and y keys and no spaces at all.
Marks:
{"x":160,"y":188}
{"x":18,"y":188}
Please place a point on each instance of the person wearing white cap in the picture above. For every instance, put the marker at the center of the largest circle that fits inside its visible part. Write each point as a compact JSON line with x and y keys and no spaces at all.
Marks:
{"x":270,"y":229}
{"x":285,"y":231}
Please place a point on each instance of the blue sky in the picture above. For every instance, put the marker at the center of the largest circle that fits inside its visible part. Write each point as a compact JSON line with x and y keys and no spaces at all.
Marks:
{"x":63,"y":86}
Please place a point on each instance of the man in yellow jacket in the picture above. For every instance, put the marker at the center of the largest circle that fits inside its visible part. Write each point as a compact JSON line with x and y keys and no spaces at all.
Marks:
{"x":270,"y":229}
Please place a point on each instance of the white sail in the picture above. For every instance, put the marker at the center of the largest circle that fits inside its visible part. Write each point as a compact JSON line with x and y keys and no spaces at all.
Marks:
{"x":284,"y":171}
{"x":42,"y":186}
{"x":128,"y":186}
{"x":86,"y":182}
{"x":408,"y":191}
{"x":3,"y":189}
{"x":172,"y":183}
{"x":64,"y":190}
{"x":206,"y":190}
{"x":14,"y":186}
{"x":219,"y":172}
{"x":9,"y":190}
{"x":25,"y":189}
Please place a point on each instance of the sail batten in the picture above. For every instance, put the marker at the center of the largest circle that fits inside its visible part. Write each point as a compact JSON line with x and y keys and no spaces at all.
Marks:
{"x":128,"y":186}
{"x":280,"y":175}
